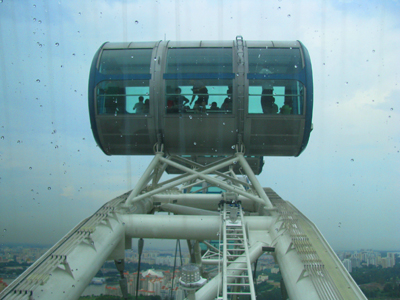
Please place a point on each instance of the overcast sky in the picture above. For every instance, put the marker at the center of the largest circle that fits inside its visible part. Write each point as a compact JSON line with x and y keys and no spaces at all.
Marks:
{"x":347,"y":180}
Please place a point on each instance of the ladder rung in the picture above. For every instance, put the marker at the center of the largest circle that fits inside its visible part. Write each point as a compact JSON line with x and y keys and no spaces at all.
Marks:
{"x":237,"y":284}
{"x":242,"y":269}
{"x":238,"y":276}
{"x":238,"y":293}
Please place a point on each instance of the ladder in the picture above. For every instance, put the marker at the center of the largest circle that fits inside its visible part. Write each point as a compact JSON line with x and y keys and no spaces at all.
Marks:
{"x":236,"y":272}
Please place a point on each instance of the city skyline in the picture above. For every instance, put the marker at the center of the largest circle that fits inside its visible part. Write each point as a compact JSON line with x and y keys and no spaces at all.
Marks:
{"x":53,"y":175}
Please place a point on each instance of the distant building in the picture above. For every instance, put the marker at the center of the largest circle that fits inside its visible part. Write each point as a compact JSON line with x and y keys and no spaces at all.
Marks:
{"x":275,"y":270}
{"x":347,"y":265}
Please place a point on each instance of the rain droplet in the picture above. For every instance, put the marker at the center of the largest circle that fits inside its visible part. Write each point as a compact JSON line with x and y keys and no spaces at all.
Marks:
{"x":2,"y":137}
{"x":38,"y":80}
{"x":223,"y":123}
{"x":279,"y":8}
{"x":352,"y":159}
{"x":289,"y":16}
{"x":19,"y":142}
{"x":194,"y":143}
{"x":49,"y":188}
{"x":391,"y":108}
{"x":30,"y":168}
{"x":373,"y":51}
{"x":5,"y":229}
{"x":57,"y":44}
{"x":40,"y":21}
{"x":34,"y":19}
{"x":136,"y":22}
{"x":233,"y":146}
{"x":190,"y":117}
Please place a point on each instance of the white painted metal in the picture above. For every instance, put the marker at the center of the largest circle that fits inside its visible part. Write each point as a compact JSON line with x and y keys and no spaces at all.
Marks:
{"x":235,"y":236}
{"x":308,"y":265}
{"x":254,"y":180}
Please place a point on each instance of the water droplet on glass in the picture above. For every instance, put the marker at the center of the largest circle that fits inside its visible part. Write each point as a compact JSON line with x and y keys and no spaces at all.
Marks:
{"x":136,"y":22}
{"x":194,"y":143}
{"x":57,"y":44}
{"x":223,"y":123}
{"x":40,"y":21}
{"x":19,"y":142}
{"x":233,"y":146}
{"x":34,"y":19}
{"x":237,"y":74}
{"x":190,"y":117}
{"x":38,"y":80}
{"x":279,"y":8}
{"x":2,"y":137}
{"x":49,"y":188}
{"x":352,"y":159}
{"x":30,"y":168}
{"x":373,"y":51}
{"x":391,"y":108}
{"x":295,"y":66}
{"x":288,"y":16}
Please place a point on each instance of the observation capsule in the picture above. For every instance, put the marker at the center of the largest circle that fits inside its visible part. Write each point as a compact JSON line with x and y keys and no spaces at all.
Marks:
{"x":201,"y":98}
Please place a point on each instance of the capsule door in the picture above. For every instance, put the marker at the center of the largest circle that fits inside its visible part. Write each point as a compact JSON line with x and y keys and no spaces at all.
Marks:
{"x":199,"y":114}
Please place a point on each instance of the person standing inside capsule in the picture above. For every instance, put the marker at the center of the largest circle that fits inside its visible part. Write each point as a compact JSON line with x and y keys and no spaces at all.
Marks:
{"x":199,"y":90}
{"x":139,"y":106}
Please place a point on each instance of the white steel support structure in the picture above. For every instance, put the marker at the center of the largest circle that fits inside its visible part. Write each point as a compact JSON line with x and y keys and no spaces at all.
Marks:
{"x":309,"y":267}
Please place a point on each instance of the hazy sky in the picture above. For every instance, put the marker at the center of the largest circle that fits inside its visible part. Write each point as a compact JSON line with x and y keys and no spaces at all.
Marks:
{"x":347,"y":181}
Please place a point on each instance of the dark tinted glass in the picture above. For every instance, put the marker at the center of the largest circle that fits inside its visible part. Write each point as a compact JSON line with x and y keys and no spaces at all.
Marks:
{"x":125,"y":61}
{"x":274,"y":60}
{"x":199,"y":60}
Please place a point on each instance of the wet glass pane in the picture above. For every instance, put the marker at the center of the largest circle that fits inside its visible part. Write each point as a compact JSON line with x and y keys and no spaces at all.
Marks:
{"x":123,"y":97}
{"x":274,"y":61}
{"x":285,"y":97}
{"x":125,"y":61}
{"x":199,"y":60}
{"x":209,"y":95}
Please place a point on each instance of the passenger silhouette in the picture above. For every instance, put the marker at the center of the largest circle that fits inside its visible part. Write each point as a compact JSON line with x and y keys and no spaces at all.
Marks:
{"x":286,"y":109}
{"x":227,"y":105}
{"x":199,"y":90}
{"x":214,"y":106}
{"x":180,"y":101}
{"x":146,"y":106}
{"x":268,"y":102}
{"x":139,"y":106}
